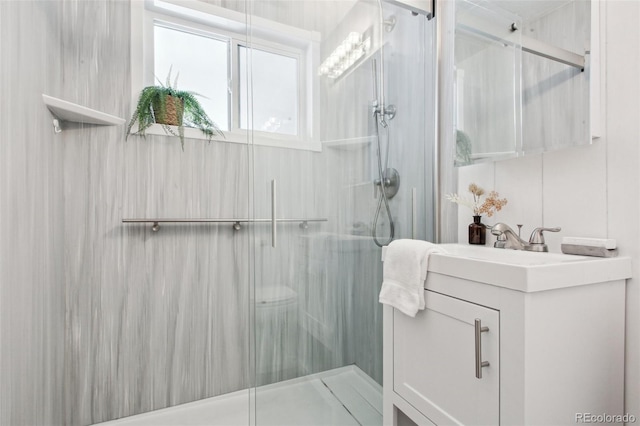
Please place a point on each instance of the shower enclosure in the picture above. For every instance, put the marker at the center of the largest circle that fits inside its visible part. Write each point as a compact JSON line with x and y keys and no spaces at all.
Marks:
{"x":235,"y":280}
{"x":328,"y":274}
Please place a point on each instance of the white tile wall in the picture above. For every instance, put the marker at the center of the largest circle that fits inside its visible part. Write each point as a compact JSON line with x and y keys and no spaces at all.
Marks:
{"x":574,"y":185}
{"x":525,"y":199}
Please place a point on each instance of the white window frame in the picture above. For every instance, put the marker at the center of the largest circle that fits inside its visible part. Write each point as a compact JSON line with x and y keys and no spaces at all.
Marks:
{"x":228,"y":25}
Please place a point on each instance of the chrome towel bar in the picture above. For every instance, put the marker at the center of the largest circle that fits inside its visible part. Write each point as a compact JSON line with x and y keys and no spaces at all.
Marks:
{"x":236,"y":222}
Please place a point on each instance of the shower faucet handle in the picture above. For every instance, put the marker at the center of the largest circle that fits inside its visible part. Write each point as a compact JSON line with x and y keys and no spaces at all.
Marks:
{"x":537,"y":236}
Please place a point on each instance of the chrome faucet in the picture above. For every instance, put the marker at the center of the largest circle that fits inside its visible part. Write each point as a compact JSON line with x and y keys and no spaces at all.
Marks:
{"x":507,"y":238}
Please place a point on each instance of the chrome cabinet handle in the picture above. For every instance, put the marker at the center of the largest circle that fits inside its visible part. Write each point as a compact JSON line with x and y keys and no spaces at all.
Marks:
{"x":479,"y":329}
{"x":273,"y":214}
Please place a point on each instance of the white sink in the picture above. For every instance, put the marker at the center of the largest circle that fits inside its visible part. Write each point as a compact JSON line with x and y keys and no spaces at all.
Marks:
{"x":526,"y":271}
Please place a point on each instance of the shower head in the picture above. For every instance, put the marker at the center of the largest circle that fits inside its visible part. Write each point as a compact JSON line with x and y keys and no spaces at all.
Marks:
{"x":381,"y":120}
{"x":377,"y":106}
{"x":382,"y":113}
{"x":379,"y":110}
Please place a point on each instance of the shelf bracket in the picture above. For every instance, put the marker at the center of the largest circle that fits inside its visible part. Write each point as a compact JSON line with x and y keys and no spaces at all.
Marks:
{"x":56,"y":126}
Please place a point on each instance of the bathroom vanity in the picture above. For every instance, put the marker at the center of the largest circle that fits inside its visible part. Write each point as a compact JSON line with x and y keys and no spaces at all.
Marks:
{"x":508,"y":337}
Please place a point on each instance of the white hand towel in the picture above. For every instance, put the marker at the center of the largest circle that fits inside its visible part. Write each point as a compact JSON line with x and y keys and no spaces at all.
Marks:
{"x":404,"y":272}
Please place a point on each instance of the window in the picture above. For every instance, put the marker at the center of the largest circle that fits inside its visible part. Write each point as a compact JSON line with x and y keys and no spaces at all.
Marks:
{"x":206,"y":49}
{"x":205,"y":74}
{"x":274,"y":92}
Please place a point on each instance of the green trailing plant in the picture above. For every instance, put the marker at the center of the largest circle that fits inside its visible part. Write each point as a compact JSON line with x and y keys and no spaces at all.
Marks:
{"x":166,"y":105}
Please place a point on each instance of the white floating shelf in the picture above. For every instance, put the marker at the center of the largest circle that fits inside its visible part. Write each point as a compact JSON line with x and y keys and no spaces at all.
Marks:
{"x":349,"y":144}
{"x":68,"y":111}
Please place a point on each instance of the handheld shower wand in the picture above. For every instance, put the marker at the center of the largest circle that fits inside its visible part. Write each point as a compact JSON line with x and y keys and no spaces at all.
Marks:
{"x":380,"y":109}
{"x":388,"y":179}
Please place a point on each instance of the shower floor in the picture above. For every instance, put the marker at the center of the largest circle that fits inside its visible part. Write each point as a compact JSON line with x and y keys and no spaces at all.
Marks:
{"x":342,"y":397}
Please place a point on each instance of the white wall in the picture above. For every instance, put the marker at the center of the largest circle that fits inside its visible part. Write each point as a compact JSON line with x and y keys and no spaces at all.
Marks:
{"x":589,"y":191}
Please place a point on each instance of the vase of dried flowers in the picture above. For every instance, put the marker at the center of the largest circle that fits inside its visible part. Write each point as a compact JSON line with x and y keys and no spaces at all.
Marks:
{"x":491,"y":204}
{"x":477,"y":231}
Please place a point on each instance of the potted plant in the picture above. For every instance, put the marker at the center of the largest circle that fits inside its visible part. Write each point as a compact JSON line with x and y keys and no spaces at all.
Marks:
{"x":166,"y":105}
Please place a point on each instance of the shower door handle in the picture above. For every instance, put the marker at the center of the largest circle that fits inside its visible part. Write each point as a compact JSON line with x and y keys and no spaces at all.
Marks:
{"x":273,"y":214}
{"x":414,"y":212}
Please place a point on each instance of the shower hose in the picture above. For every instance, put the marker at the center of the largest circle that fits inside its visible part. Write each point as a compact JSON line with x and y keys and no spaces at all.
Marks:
{"x":383,"y":199}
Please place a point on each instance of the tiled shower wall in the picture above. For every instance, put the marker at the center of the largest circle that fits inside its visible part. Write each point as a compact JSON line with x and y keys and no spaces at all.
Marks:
{"x":31,"y":216}
{"x":100,"y":320}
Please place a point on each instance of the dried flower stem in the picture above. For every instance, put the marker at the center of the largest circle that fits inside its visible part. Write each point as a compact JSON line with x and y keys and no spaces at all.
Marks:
{"x":491,"y":205}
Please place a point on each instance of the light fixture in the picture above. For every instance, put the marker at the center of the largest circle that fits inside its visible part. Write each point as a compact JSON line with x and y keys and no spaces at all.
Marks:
{"x":345,"y":55}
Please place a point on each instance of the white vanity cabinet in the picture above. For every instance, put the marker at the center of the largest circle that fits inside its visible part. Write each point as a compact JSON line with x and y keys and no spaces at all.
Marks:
{"x":508,"y":338}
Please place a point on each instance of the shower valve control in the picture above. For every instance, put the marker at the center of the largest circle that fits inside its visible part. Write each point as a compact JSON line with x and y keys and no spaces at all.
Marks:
{"x":387,"y":182}
{"x":391,"y":179}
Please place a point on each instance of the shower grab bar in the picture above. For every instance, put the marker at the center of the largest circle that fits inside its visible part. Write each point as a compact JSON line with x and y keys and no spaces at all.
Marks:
{"x":236,"y":222}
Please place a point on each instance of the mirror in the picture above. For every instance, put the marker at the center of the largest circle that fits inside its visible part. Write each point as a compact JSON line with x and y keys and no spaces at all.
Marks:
{"x":522,"y":77}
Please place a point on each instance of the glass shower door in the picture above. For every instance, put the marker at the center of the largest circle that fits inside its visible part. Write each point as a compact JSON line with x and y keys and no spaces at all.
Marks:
{"x":314,"y":76}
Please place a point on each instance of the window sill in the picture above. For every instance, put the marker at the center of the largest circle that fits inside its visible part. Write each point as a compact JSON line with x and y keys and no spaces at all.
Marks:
{"x":260,"y":138}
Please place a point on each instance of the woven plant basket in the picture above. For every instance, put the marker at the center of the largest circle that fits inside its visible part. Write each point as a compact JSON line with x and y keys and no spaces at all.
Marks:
{"x":173,"y":112}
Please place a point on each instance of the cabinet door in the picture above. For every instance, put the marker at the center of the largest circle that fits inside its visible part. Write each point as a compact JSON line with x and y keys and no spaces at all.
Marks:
{"x":435,"y":361}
